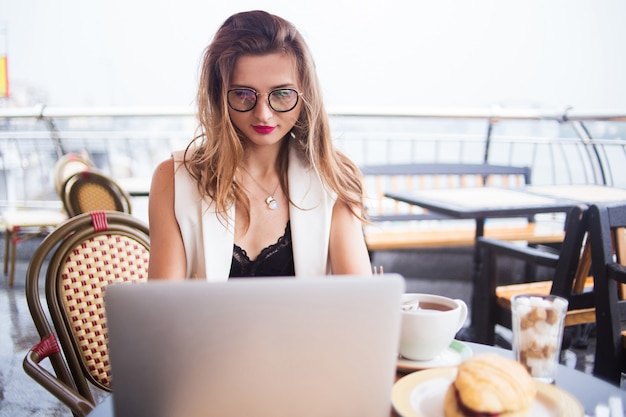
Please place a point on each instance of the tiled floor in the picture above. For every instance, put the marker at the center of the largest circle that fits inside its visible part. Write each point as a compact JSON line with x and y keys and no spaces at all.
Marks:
{"x":21,"y":396}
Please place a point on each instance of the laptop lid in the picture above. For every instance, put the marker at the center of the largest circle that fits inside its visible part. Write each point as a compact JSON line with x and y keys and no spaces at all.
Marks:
{"x":255,"y":347}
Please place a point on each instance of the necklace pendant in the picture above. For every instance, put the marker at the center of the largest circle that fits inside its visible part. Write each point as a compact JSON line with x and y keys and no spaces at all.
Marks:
{"x":272,"y":204}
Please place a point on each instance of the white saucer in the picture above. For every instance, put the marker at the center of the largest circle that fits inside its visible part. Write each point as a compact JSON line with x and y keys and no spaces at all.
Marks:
{"x":456,"y":353}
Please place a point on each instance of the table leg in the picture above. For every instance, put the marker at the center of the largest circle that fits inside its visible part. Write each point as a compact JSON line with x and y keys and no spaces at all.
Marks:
{"x":480,"y":294}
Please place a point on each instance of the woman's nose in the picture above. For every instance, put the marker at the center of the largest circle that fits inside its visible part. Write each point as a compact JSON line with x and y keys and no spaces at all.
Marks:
{"x":262,"y":110}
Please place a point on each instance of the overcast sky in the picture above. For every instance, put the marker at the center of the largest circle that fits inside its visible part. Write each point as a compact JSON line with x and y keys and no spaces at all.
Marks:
{"x":369,"y":53}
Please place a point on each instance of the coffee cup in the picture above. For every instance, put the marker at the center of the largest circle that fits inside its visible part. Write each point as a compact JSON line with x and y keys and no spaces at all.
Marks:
{"x":429,"y":324}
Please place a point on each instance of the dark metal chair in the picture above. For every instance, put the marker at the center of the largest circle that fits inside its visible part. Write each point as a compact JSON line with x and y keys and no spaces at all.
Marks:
{"x":86,"y":253}
{"x":568,"y":265}
{"x":608,"y":248}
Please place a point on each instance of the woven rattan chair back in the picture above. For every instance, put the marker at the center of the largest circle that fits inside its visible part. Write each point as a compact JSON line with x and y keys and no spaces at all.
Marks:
{"x":90,"y":190}
{"x":67,"y":165}
{"x":87,"y":253}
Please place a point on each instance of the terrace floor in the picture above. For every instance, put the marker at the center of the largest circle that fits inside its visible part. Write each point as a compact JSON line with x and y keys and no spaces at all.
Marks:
{"x":22,"y":396}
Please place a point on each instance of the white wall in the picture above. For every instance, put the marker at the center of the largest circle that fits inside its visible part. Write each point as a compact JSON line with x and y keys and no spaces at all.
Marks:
{"x":446,"y":53}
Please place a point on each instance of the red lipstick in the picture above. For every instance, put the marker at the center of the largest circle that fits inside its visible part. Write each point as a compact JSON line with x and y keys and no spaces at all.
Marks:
{"x":264,"y":130}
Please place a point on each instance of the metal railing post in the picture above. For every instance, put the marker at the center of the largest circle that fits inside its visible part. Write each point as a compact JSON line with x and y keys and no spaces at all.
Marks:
{"x":54,"y":133}
{"x":488,"y":140}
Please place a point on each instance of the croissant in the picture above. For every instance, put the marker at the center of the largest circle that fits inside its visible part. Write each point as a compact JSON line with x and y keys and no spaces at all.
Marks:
{"x":489,"y":384}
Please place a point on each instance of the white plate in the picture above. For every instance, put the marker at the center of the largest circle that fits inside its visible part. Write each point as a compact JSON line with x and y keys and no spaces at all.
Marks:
{"x":421,"y":394}
{"x":456,"y":353}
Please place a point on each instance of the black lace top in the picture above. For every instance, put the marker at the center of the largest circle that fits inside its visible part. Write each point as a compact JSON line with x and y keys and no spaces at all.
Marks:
{"x":275,"y":260}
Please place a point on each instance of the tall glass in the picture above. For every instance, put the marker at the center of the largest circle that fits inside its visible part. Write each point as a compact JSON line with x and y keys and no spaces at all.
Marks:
{"x":538,"y":322}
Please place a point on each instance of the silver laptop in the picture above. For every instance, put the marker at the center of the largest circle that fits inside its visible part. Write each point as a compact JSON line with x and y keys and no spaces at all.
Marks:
{"x":255,"y":347}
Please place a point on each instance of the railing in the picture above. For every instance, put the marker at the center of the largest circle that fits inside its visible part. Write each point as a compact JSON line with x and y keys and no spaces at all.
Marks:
{"x":567,"y":147}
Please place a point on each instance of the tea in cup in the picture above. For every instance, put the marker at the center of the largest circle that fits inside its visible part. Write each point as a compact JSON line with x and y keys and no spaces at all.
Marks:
{"x":429,"y":324}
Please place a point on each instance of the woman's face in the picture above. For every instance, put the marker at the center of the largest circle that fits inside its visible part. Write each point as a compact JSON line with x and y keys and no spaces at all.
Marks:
{"x":262,"y":125}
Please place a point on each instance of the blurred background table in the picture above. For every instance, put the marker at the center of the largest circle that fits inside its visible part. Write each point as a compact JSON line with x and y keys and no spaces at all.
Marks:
{"x":481,"y":203}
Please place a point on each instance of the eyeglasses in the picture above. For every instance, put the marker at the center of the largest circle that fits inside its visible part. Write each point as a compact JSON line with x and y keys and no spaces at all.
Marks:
{"x":281,"y":100}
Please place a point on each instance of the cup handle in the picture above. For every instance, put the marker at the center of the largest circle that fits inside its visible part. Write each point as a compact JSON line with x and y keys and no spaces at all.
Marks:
{"x":463,"y":314}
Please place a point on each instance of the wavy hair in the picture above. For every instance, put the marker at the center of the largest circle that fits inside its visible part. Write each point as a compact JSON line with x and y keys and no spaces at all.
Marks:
{"x":214,"y":156}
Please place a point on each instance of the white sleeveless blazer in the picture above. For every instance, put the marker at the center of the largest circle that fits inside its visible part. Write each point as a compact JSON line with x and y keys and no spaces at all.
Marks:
{"x":209,"y":240}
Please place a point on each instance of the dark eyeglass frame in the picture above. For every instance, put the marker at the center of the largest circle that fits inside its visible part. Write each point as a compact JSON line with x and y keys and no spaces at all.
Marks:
{"x":269,"y":100}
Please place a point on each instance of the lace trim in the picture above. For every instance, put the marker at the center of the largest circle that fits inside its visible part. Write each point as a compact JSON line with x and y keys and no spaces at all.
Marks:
{"x":250,"y":267}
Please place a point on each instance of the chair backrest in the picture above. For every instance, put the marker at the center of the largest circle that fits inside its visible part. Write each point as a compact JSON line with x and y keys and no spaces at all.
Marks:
{"x":86,"y":253}
{"x":67,"y":165}
{"x":573,"y":266}
{"x":89,"y":190}
{"x":567,"y":271}
{"x":608,"y":248}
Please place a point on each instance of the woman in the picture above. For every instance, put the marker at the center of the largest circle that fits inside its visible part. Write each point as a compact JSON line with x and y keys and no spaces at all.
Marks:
{"x":261,"y":191}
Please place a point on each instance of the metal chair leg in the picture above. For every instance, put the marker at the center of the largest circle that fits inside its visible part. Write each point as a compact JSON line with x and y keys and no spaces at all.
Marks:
{"x":7,"y":240}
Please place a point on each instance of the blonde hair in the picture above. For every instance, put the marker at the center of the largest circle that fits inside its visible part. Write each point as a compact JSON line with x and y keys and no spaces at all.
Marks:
{"x":217,"y":151}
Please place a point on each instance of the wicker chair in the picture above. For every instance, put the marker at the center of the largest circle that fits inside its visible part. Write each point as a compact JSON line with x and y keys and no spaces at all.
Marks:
{"x":86,"y":253}
{"x":67,"y":165}
{"x":90,"y":190}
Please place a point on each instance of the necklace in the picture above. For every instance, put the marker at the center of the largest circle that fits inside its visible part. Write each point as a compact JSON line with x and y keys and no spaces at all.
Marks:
{"x":270,"y":201}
